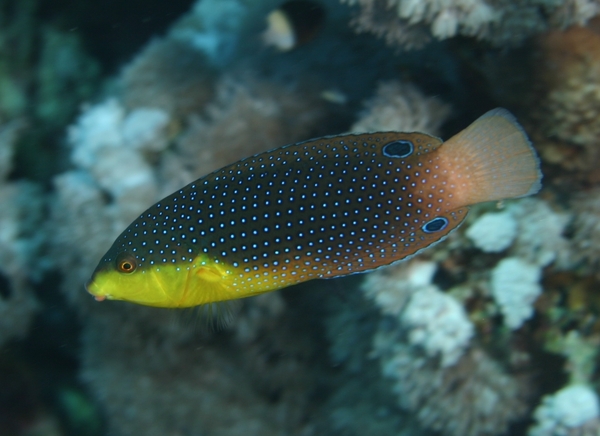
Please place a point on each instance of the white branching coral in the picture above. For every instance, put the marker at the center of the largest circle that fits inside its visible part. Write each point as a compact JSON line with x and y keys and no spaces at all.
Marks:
{"x":412,"y":23}
{"x":529,"y":229}
{"x":572,"y":411}
{"x":424,"y":347}
{"x":114,"y":146}
{"x":515,"y":285}
{"x":540,"y":239}
{"x":431,"y":320}
{"x":392,"y":287}
{"x":471,"y":398}
{"x":493,"y":232}
{"x":532,"y":234}
{"x":401,"y":107}
{"x":437,"y":323}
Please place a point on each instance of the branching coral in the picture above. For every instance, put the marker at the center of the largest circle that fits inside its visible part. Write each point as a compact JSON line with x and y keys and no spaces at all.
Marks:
{"x":541,"y":239}
{"x":401,"y":107}
{"x":152,"y":372}
{"x":567,"y":99}
{"x":116,"y":149}
{"x":413,"y":23}
{"x":169,"y":75}
{"x":473,"y":397}
{"x":515,"y":285}
{"x":572,"y":411}
{"x":436,"y":374}
{"x":515,"y":281}
{"x":517,"y":228}
{"x":493,"y":231}
{"x":431,"y":320}
{"x":246,"y":117}
{"x":21,"y":216}
{"x":586,"y":227}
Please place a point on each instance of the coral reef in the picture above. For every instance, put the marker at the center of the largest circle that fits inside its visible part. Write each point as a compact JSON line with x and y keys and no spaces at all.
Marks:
{"x":169,"y":75}
{"x":244,"y":108}
{"x":566,"y":100}
{"x":430,"y":320}
{"x":574,"y":410}
{"x":435,"y":370}
{"x":21,"y":215}
{"x":586,"y":227}
{"x":494,"y":330}
{"x":412,"y":23}
{"x":425,"y":350}
{"x":438,"y":396}
{"x":493,"y":232}
{"x":134,"y":353}
{"x":515,"y":285}
{"x":401,"y":107}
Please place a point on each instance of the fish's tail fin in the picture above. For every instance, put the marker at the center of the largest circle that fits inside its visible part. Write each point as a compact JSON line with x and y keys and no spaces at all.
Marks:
{"x":490,"y":160}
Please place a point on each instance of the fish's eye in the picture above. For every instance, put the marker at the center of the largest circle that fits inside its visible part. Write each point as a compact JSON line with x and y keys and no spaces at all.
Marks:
{"x":435,"y":225}
{"x":126,"y":263}
{"x":400,"y":148}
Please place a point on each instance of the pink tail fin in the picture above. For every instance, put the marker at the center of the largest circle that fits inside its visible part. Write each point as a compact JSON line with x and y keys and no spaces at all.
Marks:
{"x":492,"y":159}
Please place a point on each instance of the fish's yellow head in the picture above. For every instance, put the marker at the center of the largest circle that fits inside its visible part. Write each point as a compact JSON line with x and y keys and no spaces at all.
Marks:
{"x":168,"y":284}
{"x":121,"y":276}
{"x":160,"y":272}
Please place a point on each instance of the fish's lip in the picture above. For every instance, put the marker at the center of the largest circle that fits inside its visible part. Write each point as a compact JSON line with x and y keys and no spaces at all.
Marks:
{"x":96,"y":297}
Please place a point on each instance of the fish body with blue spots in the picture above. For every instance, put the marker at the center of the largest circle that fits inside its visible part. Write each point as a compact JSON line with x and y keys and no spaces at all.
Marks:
{"x":323,"y":208}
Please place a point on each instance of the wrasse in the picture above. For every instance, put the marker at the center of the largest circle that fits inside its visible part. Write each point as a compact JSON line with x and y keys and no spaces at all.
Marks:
{"x":327,"y":207}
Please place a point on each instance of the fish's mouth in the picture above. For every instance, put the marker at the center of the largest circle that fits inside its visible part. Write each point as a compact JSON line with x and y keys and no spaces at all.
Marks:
{"x":96,"y":297}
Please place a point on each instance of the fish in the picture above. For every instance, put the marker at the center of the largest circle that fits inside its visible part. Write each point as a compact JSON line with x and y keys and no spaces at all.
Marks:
{"x":292,"y":24}
{"x":322,"y":208}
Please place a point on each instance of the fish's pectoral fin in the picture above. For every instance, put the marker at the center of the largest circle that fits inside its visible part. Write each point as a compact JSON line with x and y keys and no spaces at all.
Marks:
{"x":208,"y":273}
{"x":209,"y":269}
